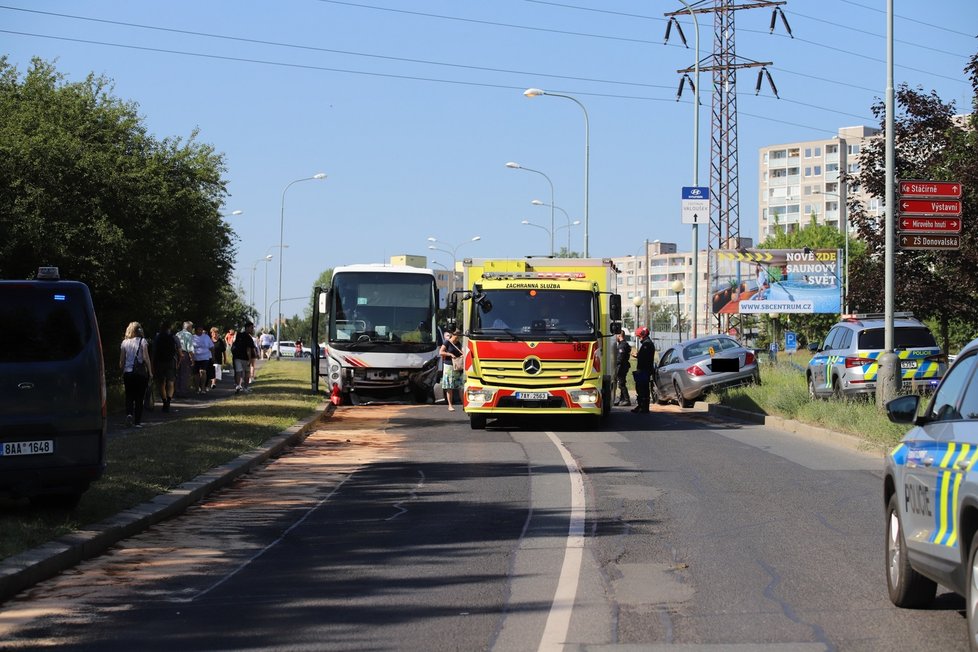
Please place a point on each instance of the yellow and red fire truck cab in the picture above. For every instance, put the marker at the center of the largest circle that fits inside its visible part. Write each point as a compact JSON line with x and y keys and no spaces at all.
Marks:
{"x":538,"y":337}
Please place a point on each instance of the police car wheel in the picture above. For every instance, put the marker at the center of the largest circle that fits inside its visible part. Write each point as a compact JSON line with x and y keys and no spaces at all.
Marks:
{"x":907,"y":587}
{"x":972,"y":594}
{"x":837,"y":389}
{"x":812,"y":395}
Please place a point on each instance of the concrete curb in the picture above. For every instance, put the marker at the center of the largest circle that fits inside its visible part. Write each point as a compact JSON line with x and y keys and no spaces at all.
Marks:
{"x":26,"y":569}
{"x":816,"y":433}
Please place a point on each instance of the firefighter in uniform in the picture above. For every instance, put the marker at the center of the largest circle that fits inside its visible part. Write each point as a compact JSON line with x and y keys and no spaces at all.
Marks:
{"x":622,"y":364}
{"x":645,"y":360}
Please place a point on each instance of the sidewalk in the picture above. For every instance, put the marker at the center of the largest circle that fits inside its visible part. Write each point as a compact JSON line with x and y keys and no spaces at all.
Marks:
{"x":181,"y":406}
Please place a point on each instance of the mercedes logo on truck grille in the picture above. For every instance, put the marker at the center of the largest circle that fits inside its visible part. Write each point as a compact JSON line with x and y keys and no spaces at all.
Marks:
{"x":531,"y":366}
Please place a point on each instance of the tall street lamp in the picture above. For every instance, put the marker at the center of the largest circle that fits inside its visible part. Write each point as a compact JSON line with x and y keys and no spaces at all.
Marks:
{"x":533,"y":92}
{"x":637,"y":301}
{"x":537,"y":202}
{"x":677,"y":286}
{"x":264,"y":314}
{"x":545,"y":229}
{"x":516,"y":166}
{"x":253,"y":268}
{"x":434,"y":247}
{"x":319,"y":176}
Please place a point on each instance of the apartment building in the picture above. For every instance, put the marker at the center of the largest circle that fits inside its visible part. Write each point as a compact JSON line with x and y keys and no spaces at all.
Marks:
{"x":647,"y":279}
{"x":798,"y":180}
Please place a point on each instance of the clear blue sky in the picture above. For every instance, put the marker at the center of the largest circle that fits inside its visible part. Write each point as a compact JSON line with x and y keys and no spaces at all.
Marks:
{"x":412,"y":107}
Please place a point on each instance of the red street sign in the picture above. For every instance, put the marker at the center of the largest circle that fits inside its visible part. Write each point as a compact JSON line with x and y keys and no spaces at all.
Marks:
{"x":930,"y":206}
{"x":924,"y":241}
{"x":930,"y":224}
{"x":915,"y":188}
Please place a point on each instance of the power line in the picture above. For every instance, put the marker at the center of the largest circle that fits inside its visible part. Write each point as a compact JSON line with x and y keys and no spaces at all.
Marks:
{"x":879,"y":36}
{"x":914,"y":20}
{"x":302,"y":66}
{"x":487,"y":22}
{"x":312,"y":48}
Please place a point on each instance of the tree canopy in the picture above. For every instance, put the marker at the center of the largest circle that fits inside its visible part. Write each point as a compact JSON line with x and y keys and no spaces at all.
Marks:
{"x":86,"y":188}
{"x":931,"y":143}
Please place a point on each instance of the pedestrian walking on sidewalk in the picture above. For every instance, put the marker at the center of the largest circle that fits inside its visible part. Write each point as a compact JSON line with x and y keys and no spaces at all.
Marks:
{"x":137,"y":371}
{"x":243,"y":353}
{"x":166,"y":352}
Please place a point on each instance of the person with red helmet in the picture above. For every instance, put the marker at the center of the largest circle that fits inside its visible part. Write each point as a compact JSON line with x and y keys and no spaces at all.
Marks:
{"x":644,"y":365}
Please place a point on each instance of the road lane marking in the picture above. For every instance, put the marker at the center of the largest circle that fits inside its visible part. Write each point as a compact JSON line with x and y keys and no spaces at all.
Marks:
{"x":261,"y":552}
{"x":558,"y":621}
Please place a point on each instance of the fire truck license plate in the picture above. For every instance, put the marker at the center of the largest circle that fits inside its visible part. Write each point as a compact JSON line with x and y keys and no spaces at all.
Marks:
{"x":532,"y":396}
{"x":11,"y":448}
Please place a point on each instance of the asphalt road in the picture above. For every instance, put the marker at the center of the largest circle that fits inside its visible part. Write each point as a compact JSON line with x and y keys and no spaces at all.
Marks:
{"x":400,"y":528}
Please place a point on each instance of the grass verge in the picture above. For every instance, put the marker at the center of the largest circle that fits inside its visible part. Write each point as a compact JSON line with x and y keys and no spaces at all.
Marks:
{"x":784,"y":393}
{"x":145,"y":463}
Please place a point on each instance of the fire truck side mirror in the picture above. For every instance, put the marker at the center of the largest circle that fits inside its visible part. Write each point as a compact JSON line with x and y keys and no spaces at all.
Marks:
{"x":614,"y":307}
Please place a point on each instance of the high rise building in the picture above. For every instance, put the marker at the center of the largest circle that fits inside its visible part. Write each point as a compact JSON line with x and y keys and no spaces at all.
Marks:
{"x":799,"y":180}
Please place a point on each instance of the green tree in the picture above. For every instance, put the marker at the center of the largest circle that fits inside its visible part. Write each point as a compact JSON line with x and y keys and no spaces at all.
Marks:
{"x":84,"y":187}
{"x":930,"y":143}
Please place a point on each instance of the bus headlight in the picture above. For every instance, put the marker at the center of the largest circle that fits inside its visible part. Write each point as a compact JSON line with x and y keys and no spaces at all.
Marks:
{"x":587,"y":396}
{"x":478,"y":396}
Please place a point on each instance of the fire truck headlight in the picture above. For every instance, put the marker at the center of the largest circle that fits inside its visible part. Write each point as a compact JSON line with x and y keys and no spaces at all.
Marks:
{"x":477,"y":396}
{"x":334,"y":368}
{"x":588,"y":396}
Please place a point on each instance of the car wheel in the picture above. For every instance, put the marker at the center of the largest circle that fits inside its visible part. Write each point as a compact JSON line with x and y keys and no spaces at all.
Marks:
{"x":971,"y":596}
{"x":907,"y":587}
{"x":812,"y":395}
{"x":680,"y":399}
{"x":837,"y":389}
{"x":477,"y":421}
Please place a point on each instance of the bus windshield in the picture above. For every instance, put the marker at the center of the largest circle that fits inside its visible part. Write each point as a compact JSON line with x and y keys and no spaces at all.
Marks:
{"x":374,"y":310}
{"x":534,"y":313}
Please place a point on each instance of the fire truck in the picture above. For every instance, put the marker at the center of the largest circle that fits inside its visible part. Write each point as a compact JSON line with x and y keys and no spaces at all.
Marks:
{"x":538,"y":337}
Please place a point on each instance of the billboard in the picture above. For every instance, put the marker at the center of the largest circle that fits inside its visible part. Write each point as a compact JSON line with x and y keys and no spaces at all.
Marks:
{"x":751,"y":281}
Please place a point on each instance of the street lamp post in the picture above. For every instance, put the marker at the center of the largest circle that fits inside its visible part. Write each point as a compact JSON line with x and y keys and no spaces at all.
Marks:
{"x":678,"y":286}
{"x":637,"y":301}
{"x":533,"y":92}
{"x":433,"y":246}
{"x":319,"y":176}
{"x":537,"y":202}
{"x":545,"y":229}
{"x":516,"y":166}
{"x":264,"y":313}
{"x":253,"y":268}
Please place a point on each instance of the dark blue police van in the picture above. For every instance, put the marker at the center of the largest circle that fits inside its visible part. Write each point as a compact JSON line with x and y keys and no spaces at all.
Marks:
{"x":52,"y":390}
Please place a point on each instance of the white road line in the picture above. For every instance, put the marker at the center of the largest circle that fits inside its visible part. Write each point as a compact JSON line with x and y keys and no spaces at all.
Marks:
{"x":558,"y":622}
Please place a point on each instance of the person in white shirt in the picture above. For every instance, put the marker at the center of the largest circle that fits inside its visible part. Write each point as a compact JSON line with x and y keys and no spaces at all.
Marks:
{"x":203,"y":347}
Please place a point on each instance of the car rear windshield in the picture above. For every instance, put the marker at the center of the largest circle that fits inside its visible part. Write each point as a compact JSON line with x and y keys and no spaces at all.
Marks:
{"x":43,"y":323}
{"x":907,"y":337}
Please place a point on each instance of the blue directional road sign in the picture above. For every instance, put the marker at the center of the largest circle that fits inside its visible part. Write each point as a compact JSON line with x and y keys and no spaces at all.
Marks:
{"x":696,"y":205}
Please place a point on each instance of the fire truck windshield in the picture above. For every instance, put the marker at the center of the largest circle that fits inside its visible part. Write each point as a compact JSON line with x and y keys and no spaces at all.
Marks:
{"x":534,"y":313}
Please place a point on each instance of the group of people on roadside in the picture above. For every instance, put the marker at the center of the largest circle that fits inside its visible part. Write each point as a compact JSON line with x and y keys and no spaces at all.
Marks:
{"x":453,"y":367}
{"x":182,"y":363}
{"x":644,"y":368}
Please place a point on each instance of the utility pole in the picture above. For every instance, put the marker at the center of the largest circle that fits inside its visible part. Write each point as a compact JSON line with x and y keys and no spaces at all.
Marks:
{"x":724,"y":227}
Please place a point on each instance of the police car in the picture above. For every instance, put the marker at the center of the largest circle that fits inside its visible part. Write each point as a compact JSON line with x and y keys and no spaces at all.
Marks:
{"x":845,"y":364}
{"x":931,"y":494}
